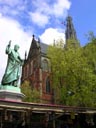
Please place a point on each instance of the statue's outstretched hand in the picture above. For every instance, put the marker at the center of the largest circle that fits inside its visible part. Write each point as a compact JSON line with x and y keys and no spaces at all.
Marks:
{"x":9,"y":43}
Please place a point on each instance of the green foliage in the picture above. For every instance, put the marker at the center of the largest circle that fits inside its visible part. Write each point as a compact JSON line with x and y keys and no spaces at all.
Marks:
{"x":73,"y":76}
{"x":90,"y":53}
{"x":90,"y":36}
{"x":72,"y":43}
{"x":31,"y":95}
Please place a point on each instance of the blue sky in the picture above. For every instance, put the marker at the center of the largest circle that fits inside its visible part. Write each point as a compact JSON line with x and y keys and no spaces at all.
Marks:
{"x":20,"y":19}
{"x":84,"y":18}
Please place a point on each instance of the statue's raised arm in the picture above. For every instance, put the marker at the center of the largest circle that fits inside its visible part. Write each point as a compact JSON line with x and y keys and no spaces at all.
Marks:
{"x":8,"y":49}
{"x":9,"y":43}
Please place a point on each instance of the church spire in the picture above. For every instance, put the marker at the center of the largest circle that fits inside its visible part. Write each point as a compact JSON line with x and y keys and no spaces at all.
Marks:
{"x":34,"y":48}
{"x":70,"y":32}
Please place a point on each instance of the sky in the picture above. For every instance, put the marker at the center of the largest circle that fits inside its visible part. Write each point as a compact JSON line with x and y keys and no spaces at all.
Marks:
{"x":20,"y":19}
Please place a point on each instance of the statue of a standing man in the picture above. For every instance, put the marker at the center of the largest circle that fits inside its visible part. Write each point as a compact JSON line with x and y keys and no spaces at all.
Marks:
{"x":14,"y":63}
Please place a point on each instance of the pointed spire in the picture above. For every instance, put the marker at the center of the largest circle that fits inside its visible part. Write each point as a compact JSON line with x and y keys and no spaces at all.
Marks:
{"x":54,"y":43}
{"x":34,"y":47}
{"x":39,"y":40}
{"x":70,"y":31}
{"x":33,"y":36}
{"x":25,"y":55}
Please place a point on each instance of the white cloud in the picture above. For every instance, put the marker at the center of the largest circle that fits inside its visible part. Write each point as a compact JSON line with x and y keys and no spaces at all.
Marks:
{"x":11,"y":30}
{"x":12,"y":7}
{"x":44,"y":11}
{"x":40,"y":13}
{"x":50,"y":35}
{"x":56,"y":7}
{"x":60,"y":7}
{"x":11,"y":2}
{"x":39,"y":19}
{"x":45,"y":7}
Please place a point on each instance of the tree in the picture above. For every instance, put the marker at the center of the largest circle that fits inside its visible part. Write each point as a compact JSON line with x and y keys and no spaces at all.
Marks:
{"x":72,"y":43}
{"x":90,"y":36}
{"x":31,"y":95}
{"x":73,"y":78}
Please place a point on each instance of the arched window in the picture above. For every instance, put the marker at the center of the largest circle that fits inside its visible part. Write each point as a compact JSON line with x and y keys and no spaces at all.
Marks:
{"x":25,"y":71}
{"x":35,"y":64}
{"x":48,"y":85}
{"x":45,"y":65}
{"x":30,"y":67}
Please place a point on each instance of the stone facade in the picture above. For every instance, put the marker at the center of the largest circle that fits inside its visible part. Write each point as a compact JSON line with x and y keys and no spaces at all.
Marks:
{"x":37,"y":70}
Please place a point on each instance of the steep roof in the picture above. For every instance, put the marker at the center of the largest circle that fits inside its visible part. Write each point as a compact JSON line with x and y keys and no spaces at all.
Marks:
{"x":44,"y":48}
{"x":37,"y":45}
{"x":33,"y":46}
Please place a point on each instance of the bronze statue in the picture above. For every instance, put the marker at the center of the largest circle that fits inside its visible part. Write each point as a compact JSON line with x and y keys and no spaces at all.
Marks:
{"x":14,"y":63}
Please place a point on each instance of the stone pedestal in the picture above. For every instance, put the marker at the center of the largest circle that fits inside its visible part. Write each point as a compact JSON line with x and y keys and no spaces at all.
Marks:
{"x":11,"y":93}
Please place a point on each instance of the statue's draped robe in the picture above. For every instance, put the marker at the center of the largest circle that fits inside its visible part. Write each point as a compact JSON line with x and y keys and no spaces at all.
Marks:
{"x":12,"y":72}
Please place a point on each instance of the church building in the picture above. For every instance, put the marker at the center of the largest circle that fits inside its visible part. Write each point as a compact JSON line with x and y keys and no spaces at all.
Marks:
{"x":37,"y":66}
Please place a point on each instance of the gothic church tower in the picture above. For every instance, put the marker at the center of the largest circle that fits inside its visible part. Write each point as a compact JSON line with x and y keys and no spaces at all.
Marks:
{"x":70,"y":34}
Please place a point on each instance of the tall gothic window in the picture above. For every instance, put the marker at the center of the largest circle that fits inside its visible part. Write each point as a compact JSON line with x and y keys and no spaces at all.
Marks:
{"x":30,"y":67}
{"x":45,"y":65}
{"x":27,"y":72}
{"x":48,"y":85}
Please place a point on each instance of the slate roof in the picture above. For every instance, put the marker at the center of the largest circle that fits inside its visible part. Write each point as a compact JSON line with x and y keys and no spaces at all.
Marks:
{"x":44,"y":48}
{"x":36,"y":44}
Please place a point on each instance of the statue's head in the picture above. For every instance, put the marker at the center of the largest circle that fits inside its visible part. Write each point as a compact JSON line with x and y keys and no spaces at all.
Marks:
{"x":16,"y":47}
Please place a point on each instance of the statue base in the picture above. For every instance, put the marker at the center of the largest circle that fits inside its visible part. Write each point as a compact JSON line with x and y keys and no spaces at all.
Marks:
{"x":11,"y":93}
